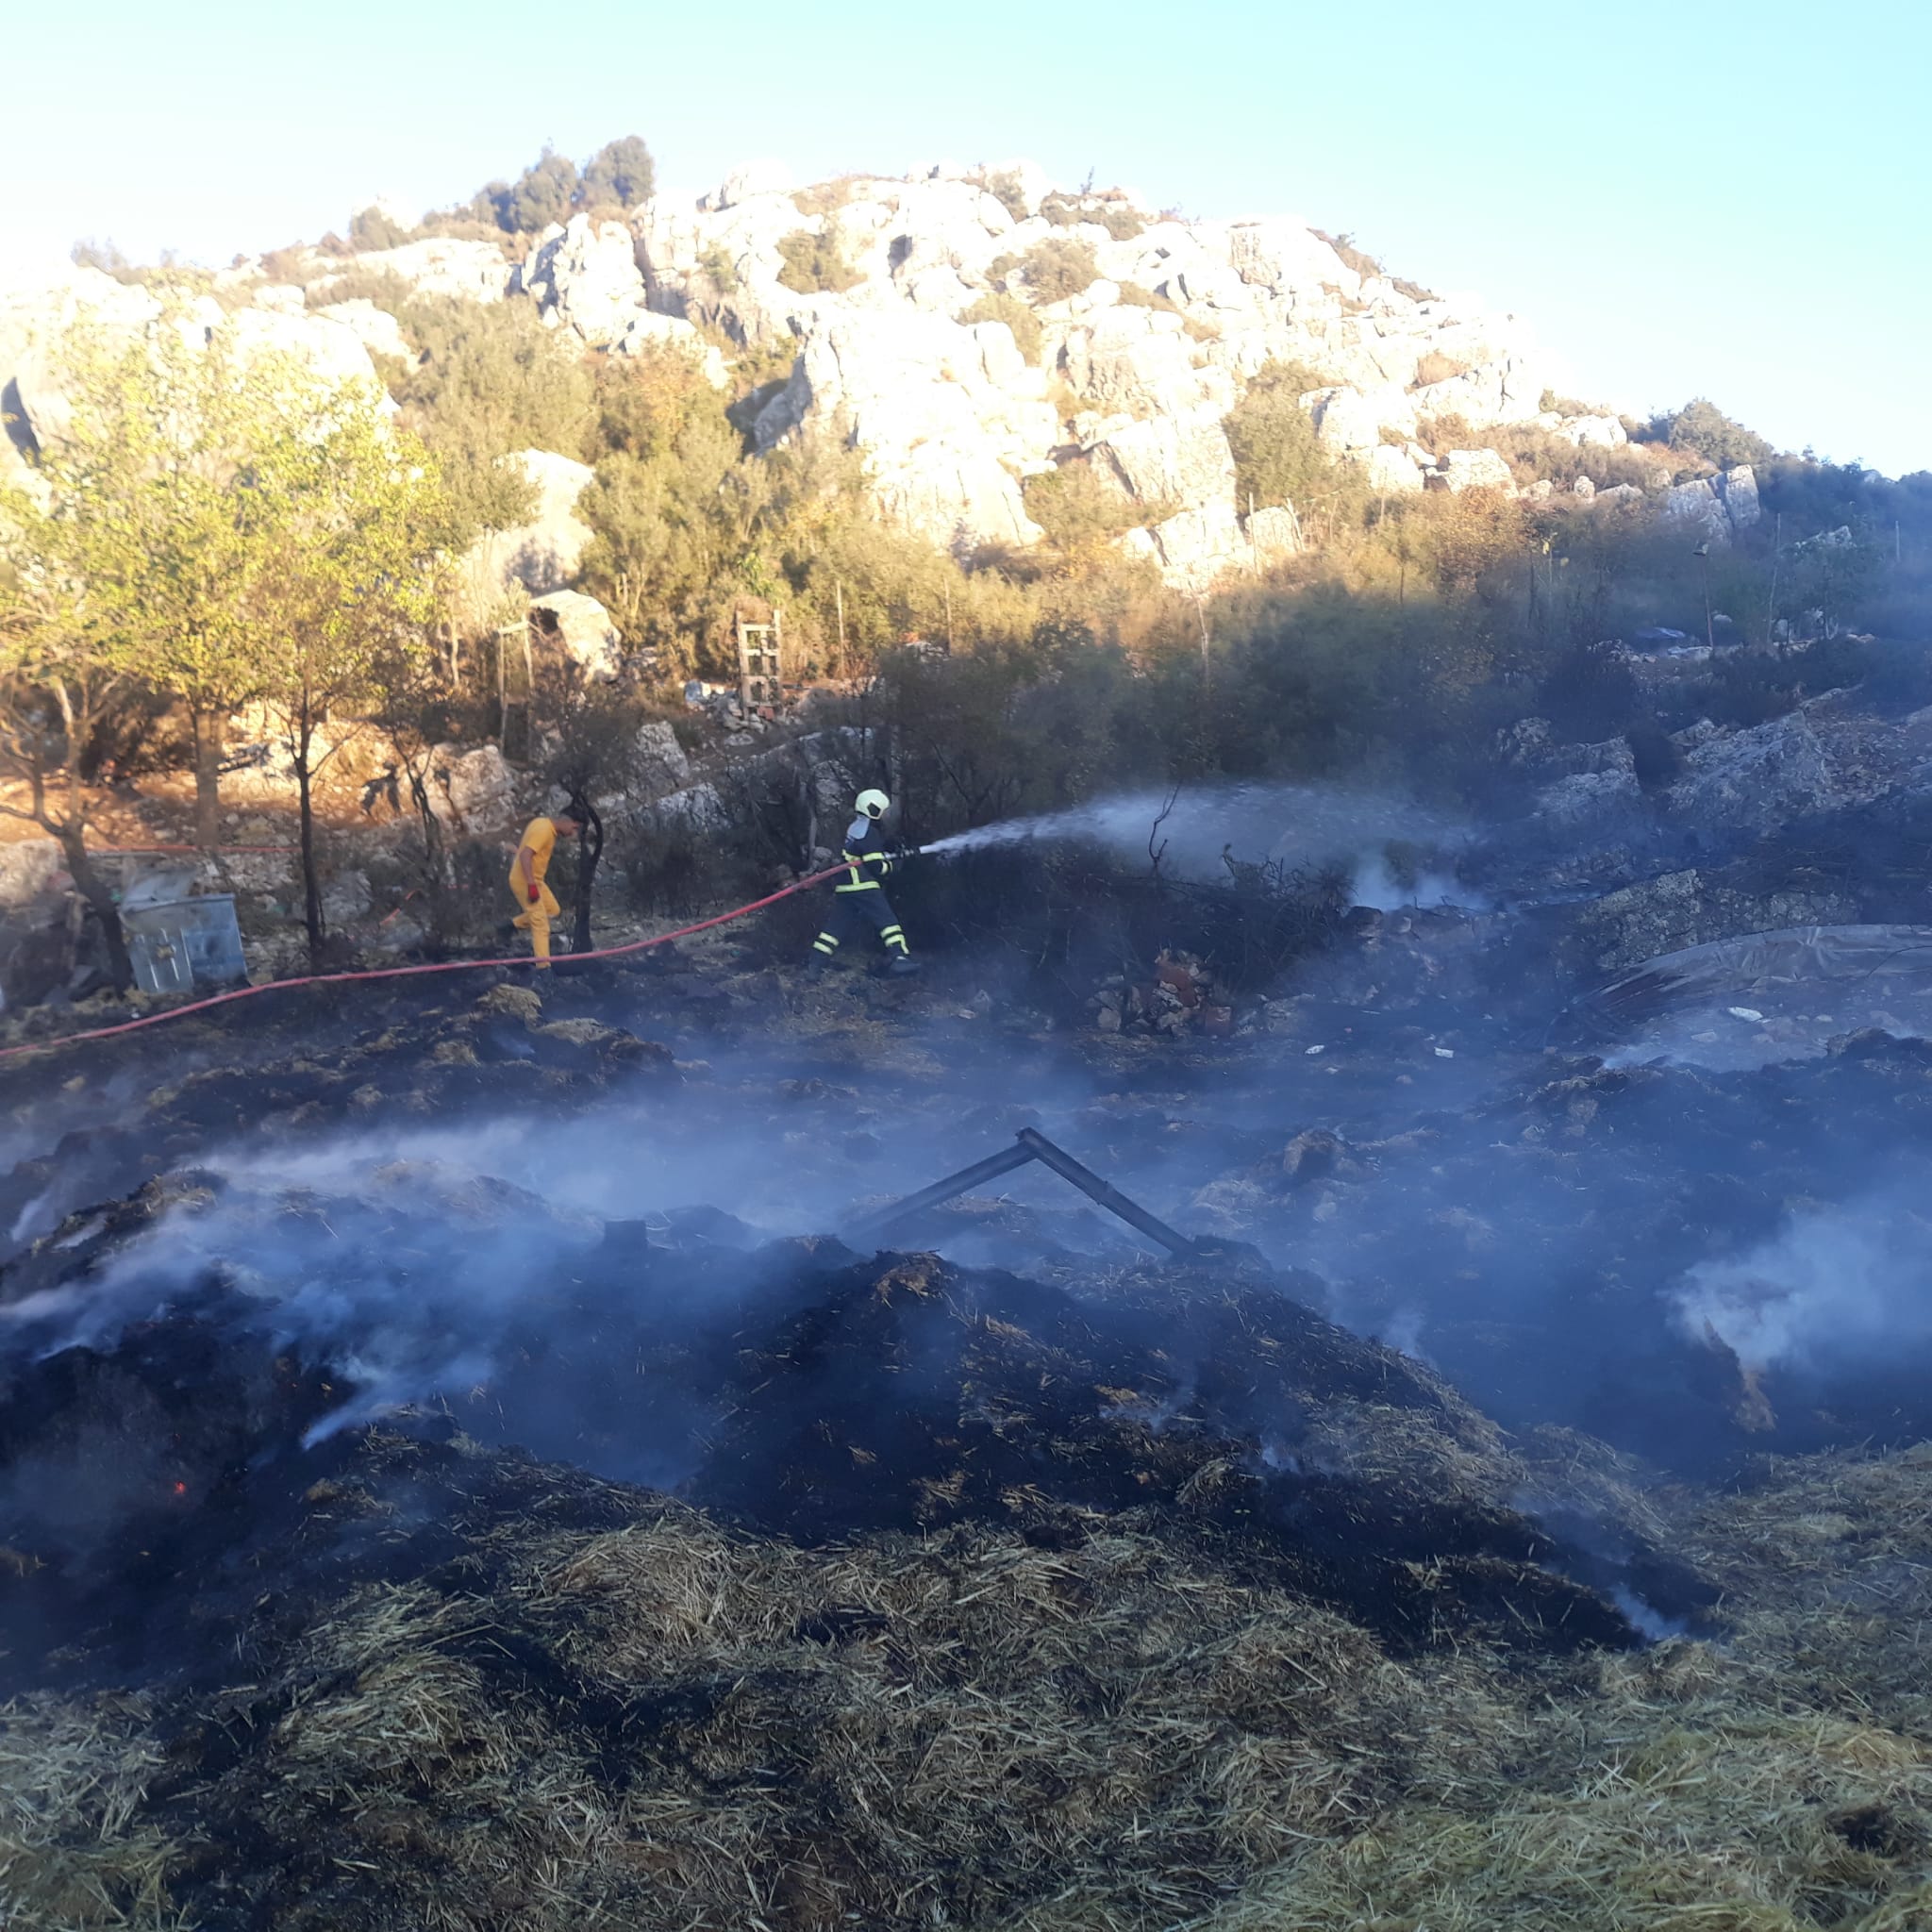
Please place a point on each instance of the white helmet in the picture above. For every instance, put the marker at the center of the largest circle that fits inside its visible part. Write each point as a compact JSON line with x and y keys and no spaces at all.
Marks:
{"x":873,"y":804}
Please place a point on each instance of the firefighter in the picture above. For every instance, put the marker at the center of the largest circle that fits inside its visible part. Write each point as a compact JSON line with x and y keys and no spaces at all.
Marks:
{"x":538,"y":903}
{"x":860,"y":899}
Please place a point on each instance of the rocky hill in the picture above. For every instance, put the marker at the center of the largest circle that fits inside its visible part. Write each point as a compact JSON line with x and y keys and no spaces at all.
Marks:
{"x":965,"y":331}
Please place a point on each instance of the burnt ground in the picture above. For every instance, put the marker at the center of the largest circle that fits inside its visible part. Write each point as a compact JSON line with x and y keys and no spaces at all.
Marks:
{"x":456,"y":1472}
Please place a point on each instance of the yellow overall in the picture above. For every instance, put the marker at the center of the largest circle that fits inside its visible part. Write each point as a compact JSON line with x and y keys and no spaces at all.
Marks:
{"x":539,"y":840}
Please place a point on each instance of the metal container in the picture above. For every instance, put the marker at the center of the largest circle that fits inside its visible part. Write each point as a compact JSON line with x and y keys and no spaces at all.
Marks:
{"x":185,"y":943}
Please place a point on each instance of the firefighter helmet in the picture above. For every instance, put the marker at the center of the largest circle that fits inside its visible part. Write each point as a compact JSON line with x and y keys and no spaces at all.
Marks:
{"x":873,"y":804}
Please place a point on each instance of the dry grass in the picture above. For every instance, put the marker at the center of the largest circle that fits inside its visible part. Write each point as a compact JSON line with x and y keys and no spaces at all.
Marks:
{"x":1779,"y":1782}
{"x":672,"y":1724}
{"x":74,"y":1852}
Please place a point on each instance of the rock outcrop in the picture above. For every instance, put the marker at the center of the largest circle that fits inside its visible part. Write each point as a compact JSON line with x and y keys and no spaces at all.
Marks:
{"x":541,"y":554}
{"x":471,"y":270}
{"x":898,"y":301}
{"x":580,"y":628}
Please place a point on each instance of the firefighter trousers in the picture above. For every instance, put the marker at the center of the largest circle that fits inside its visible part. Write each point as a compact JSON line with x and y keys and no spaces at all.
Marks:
{"x":534,"y":920}
{"x":855,"y":910}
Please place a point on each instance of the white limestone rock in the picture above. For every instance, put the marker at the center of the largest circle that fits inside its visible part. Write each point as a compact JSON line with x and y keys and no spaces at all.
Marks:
{"x":944,"y":441}
{"x":1274,"y":533}
{"x":1393,"y":472}
{"x":1350,"y":423}
{"x":581,"y":629}
{"x":333,"y":349}
{"x":1591,"y":432}
{"x":26,"y":868}
{"x":441,"y":265}
{"x":1285,"y":257}
{"x":474,"y":791}
{"x":1737,"y":490}
{"x":376,"y":330}
{"x":661,"y":763}
{"x":646,"y":331}
{"x":1200,"y":544}
{"x":541,"y":554}
{"x":1475,"y":468}
{"x":588,"y":278}
{"x":743,"y":184}
{"x":1179,"y":460}
{"x":1698,"y":508}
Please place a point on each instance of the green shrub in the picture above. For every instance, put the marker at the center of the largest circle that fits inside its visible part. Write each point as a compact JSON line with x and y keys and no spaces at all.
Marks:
{"x":1552,"y":404}
{"x":491,"y":378}
{"x":1017,"y":316}
{"x":1436,"y":367}
{"x":1060,"y":267}
{"x":1438,"y":435}
{"x":1067,"y":210}
{"x":1278,"y":458}
{"x":1007,"y":190}
{"x":1535,"y":454}
{"x":383,"y":287}
{"x":373,"y":229}
{"x":1132,"y":295}
{"x":814,"y":265}
{"x":719,"y":267}
{"x":620,"y":175}
{"x":1701,"y":428}
{"x":1359,"y":260}
{"x":1078,"y":512}
{"x":824,"y":197}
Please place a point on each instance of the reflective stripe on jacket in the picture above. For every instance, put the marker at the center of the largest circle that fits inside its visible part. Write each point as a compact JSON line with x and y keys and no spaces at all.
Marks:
{"x":863,"y":849}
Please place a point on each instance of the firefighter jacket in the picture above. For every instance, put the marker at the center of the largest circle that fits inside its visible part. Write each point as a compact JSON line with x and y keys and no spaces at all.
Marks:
{"x":865,"y":856}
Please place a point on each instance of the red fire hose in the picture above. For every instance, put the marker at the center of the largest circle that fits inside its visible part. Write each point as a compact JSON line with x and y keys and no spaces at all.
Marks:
{"x":248,"y":993}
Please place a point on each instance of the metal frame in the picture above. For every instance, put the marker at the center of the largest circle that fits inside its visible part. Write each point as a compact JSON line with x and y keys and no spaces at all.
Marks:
{"x":1031,"y":1145}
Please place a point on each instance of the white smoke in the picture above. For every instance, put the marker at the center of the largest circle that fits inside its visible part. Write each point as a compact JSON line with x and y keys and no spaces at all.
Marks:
{"x":1837,"y":1284}
{"x":1304,"y":826}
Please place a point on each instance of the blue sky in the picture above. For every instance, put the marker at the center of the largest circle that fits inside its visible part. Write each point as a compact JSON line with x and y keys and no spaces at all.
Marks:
{"x":1681,"y":198}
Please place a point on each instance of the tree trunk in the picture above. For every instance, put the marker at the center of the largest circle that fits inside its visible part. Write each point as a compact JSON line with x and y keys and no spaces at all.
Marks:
{"x":589,"y":850}
{"x":93,"y":888}
{"x":210,"y":729}
{"x":312,"y":889}
{"x":426,"y":813}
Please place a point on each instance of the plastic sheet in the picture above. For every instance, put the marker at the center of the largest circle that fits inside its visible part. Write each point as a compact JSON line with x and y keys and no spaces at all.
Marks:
{"x":1762,"y":997}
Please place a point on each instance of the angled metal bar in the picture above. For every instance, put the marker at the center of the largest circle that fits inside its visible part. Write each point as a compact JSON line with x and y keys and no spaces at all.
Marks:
{"x":1029,"y":1145}
{"x":993,"y":1165}
{"x":1105,"y":1193}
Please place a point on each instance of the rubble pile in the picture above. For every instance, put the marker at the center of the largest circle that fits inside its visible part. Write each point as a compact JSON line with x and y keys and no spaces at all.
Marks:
{"x":1181,"y":997}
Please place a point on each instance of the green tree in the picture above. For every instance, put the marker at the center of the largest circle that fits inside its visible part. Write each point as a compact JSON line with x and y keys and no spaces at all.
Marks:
{"x":362,"y":528}
{"x":61,"y":678}
{"x":1278,"y":457}
{"x":147,"y":515}
{"x":1701,"y":428}
{"x":372,"y":228}
{"x":542,"y":194}
{"x":159,"y":462}
{"x":490,"y":379}
{"x":621,"y":172}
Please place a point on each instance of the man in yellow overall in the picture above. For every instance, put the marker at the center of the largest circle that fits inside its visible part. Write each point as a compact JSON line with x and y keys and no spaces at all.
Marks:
{"x":537,"y":903}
